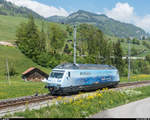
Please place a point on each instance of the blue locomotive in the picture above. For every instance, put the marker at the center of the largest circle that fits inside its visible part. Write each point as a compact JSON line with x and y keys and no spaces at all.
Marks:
{"x":68,"y":78}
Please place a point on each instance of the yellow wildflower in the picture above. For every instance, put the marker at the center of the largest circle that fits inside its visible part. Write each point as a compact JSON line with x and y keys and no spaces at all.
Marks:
{"x":99,"y":95}
{"x":111,"y":102}
{"x":59,"y":98}
{"x":70,"y":100}
{"x":106,"y":88}
{"x":90,"y":97}
{"x":100,"y":102}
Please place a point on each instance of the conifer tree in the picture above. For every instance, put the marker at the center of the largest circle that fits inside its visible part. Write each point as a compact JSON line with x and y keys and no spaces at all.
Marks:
{"x":118,"y":54}
{"x":57,"y":38}
{"x":28,"y":38}
{"x":42,"y":40}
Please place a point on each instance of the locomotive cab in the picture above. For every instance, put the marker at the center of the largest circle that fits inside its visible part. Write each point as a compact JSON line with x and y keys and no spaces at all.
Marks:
{"x":55,"y":80}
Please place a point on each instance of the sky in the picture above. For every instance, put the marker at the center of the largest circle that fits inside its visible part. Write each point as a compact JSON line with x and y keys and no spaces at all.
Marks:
{"x":136,"y":12}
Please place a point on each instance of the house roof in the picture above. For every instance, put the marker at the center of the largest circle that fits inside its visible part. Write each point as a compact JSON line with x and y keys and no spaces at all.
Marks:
{"x":32,"y":69}
{"x":28,"y":70}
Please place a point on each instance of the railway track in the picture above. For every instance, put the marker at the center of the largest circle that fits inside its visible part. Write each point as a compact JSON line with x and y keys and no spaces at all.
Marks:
{"x":133,"y":83}
{"x":33,"y":99}
{"x":24,"y":100}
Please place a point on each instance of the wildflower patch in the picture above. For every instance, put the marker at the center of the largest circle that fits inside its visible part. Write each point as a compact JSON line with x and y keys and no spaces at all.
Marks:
{"x":131,"y":92}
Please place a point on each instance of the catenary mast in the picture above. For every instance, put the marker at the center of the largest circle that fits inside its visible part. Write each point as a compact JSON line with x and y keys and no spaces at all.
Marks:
{"x":75,"y":31}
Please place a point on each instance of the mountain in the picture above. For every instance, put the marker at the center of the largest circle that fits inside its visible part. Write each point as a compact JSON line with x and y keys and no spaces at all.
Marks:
{"x":7,"y":8}
{"x":107,"y":25}
{"x":56,"y":18}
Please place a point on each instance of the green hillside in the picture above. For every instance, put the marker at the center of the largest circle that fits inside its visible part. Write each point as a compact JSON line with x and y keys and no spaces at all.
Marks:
{"x":7,"y":8}
{"x":21,"y":62}
{"x":58,"y":19}
{"x":8,"y":26}
{"x":17,"y":86}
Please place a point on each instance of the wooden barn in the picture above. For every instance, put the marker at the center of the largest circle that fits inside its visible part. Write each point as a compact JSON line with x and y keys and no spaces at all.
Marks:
{"x":34,"y":74}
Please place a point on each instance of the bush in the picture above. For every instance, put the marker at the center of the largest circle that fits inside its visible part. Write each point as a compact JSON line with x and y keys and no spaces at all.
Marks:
{"x":124,"y":72}
{"x":146,"y":69}
{"x":54,"y":62}
{"x":148,"y":58}
{"x":44,"y":59}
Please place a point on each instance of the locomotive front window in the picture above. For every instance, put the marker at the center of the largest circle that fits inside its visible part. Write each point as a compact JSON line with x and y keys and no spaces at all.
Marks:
{"x":56,"y":75}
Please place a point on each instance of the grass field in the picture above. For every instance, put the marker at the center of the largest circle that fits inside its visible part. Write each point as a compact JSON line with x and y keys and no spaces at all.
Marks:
{"x":18,"y":88}
{"x":8,"y":26}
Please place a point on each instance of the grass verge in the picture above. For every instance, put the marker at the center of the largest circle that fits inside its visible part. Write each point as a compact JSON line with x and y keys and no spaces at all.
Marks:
{"x":133,"y":78}
{"x":18,"y":88}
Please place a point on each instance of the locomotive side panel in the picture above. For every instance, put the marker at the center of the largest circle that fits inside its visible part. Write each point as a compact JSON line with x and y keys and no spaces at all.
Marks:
{"x":90,"y":79}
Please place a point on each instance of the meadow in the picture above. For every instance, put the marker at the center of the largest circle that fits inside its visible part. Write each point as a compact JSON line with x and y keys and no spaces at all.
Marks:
{"x":18,"y":88}
{"x":85,"y":106}
{"x":9,"y":25}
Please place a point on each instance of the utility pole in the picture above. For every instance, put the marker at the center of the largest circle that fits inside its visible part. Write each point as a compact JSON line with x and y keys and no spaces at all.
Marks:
{"x":75,"y":31}
{"x":129,"y":60}
{"x":7,"y":68}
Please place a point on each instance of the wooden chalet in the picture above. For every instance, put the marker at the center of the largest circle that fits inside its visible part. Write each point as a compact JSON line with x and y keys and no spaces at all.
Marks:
{"x":34,"y":74}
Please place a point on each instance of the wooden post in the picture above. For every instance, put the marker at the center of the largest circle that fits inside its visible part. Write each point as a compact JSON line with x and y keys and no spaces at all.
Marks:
{"x":7,"y":68}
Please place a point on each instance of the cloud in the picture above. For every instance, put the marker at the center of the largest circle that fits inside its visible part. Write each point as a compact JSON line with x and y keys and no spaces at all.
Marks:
{"x":122,"y":12}
{"x":41,"y":9}
{"x":126,"y":13}
{"x":144,"y":23}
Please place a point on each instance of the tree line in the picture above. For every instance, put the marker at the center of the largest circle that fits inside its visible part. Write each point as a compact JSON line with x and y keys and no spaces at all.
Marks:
{"x":49,"y":45}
